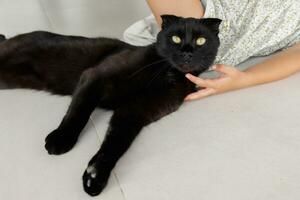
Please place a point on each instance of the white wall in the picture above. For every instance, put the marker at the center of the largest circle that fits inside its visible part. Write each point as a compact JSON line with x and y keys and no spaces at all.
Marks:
{"x":79,"y":17}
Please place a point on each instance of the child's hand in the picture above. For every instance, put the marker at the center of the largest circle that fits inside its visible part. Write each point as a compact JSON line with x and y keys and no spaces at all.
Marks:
{"x":230,"y":79}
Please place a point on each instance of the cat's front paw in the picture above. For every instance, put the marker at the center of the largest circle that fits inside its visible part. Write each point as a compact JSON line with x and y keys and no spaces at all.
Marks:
{"x":95,"y":179}
{"x":59,"y":142}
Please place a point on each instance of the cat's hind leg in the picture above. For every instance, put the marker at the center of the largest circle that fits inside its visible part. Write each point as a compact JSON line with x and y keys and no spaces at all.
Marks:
{"x":21,"y":76}
{"x":16,"y":69}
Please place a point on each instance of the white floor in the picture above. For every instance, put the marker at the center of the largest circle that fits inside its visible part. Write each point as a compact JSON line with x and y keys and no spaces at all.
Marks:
{"x":244,"y":145}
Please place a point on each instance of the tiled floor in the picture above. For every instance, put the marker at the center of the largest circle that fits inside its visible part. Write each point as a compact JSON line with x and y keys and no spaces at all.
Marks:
{"x":27,"y":172}
{"x":240,"y":145}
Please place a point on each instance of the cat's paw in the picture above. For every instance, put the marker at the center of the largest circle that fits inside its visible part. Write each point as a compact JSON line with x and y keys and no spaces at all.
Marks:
{"x":59,"y":142}
{"x":95,"y":179}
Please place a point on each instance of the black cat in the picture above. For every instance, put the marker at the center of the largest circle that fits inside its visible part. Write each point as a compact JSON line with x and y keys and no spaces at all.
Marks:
{"x":140,"y":84}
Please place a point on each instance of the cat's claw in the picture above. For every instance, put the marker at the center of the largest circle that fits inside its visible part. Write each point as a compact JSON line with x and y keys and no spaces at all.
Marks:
{"x":59,"y":142}
{"x":94,"y":180}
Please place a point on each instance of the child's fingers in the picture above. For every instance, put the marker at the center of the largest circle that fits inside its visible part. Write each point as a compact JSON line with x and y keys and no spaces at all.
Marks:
{"x":200,"y":94}
{"x":198,"y":81}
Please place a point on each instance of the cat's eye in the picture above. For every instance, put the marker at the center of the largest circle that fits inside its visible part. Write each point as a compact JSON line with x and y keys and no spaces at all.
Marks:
{"x":200,"y":41}
{"x":176,"y":39}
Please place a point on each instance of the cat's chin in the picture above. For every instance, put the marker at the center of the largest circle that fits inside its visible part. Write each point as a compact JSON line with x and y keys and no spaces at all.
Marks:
{"x":185,"y":68}
{"x":188,"y":69}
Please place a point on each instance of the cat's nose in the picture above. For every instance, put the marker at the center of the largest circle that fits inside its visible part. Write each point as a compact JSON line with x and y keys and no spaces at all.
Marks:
{"x":187,"y":56}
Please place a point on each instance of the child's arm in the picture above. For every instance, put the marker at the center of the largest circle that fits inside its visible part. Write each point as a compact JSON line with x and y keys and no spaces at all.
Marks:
{"x":184,"y":8}
{"x":278,"y":67}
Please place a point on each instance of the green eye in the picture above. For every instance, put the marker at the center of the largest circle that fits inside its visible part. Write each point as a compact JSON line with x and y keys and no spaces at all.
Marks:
{"x":200,"y":41}
{"x":176,"y":39}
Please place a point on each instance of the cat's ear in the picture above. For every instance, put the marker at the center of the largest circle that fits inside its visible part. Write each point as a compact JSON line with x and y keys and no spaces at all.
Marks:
{"x":212,"y":23}
{"x":168,"y":20}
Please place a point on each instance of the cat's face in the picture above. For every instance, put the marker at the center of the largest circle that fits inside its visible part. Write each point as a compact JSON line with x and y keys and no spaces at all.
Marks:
{"x":189,"y":44}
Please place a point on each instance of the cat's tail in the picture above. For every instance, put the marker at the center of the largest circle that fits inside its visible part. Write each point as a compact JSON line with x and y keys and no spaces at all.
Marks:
{"x":2,"y":38}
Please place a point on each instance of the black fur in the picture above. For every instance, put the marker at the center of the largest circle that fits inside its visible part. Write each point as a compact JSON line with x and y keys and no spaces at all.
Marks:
{"x":2,"y":38}
{"x":140,"y":84}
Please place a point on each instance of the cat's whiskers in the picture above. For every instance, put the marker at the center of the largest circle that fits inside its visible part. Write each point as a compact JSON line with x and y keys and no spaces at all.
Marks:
{"x":146,"y":66}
